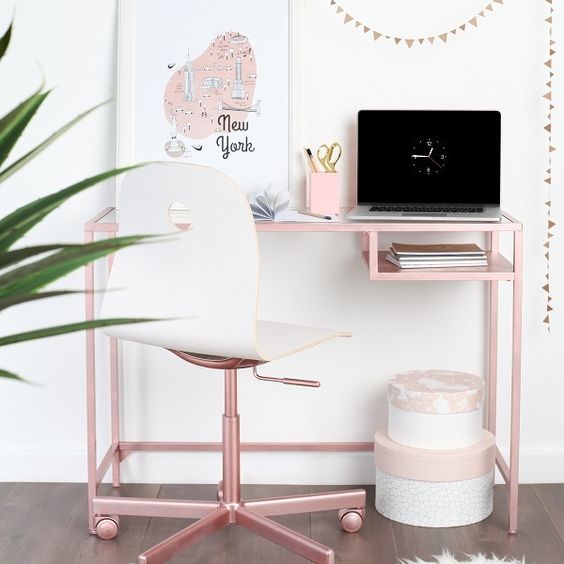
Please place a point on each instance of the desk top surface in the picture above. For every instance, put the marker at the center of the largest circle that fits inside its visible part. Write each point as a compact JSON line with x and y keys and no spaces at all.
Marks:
{"x":106,"y":220}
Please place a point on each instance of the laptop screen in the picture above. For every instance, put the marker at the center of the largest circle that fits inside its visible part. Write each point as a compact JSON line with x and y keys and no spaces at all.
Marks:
{"x":428,"y":157}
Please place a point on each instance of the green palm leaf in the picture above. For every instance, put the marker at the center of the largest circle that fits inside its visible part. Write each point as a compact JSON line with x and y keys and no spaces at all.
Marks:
{"x":18,"y":299}
{"x":13,"y":124}
{"x":14,"y":167}
{"x":65,"y":329}
{"x":13,"y":257}
{"x":18,"y":223}
{"x":19,"y":283}
{"x":10,"y":375}
{"x":5,"y":41}
{"x":32,"y":277}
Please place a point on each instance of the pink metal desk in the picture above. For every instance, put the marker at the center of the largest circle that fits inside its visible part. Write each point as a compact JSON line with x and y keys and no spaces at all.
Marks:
{"x":499,"y":269}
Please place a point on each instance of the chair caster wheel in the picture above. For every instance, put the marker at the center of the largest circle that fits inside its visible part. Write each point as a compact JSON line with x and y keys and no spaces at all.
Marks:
{"x":107,"y":528}
{"x":219,"y":492}
{"x":351,"y":520}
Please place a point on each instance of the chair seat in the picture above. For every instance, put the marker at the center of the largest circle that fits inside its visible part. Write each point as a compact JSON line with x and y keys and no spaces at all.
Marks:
{"x":274,"y":340}
{"x":277,"y":340}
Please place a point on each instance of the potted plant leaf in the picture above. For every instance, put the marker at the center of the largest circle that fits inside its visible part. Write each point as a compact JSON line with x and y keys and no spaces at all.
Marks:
{"x":26,"y":271}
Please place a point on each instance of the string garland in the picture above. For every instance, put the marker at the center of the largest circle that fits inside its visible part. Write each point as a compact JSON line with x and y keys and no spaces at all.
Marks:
{"x":548,"y":127}
{"x":410,"y":41}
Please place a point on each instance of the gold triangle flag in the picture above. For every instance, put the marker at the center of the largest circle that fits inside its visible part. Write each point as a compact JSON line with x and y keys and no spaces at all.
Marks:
{"x":548,"y":127}
{"x":549,"y":19}
{"x":551,"y":224}
{"x":548,"y":180}
{"x":499,"y":1}
{"x":551,"y":149}
{"x":357,"y":23}
{"x":489,"y":7}
{"x":333,"y":2}
{"x":548,"y":96}
{"x":549,"y":63}
{"x":376,"y":35}
{"x":444,"y":36}
{"x":549,"y":308}
{"x":547,"y":245}
{"x":339,"y":9}
{"x":549,"y":83}
{"x":547,"y":319}
{"x":366,"y":29}
{"x":546,"y":288}
{"x":481,"y":14}
{"x":431,"y":40}
{"x":397,"y":40}
{"x":462,"y":27}
{"x":474,"y":22}
{"x":421,"y":39}
{"x":409,"y":42}
{"x":348,"y":18}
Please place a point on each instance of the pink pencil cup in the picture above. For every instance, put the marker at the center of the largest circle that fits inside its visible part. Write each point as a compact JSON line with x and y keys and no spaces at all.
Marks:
{"x":324,"y":193}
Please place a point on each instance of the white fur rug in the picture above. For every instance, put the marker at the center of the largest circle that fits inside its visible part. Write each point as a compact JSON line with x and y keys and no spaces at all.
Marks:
{"x":448,"y":558}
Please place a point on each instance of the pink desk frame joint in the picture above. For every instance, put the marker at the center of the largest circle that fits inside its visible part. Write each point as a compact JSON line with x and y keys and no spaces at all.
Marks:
{"x":499,"y":269}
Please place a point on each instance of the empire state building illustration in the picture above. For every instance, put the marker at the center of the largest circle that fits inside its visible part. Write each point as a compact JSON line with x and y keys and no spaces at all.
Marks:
{"x":238,"y":86}
{"x":188,"y":80}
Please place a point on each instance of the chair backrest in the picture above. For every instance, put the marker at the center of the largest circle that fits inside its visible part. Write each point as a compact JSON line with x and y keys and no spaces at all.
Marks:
{"x":205,"y":277}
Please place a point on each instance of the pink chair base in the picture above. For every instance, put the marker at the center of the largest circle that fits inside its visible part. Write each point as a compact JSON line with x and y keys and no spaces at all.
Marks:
{"x":230,"y":508}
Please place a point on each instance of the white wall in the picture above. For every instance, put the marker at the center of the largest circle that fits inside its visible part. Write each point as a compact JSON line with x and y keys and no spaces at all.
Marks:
{"x":311,"y":278}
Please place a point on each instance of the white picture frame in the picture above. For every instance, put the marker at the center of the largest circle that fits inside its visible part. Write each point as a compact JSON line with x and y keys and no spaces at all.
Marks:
{"x":132,"y":146}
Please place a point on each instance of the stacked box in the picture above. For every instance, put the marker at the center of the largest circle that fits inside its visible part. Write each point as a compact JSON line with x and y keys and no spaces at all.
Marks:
{"x":435,"y":463}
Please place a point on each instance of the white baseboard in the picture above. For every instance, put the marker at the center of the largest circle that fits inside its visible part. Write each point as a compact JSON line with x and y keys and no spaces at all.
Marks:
{"x":537,"y":466}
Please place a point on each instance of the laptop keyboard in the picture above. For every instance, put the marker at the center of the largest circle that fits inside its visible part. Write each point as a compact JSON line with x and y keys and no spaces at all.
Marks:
{"x":426,"y":209}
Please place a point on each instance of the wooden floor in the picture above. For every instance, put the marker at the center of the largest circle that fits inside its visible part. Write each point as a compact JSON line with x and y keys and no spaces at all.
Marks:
{"x":46,"y":524}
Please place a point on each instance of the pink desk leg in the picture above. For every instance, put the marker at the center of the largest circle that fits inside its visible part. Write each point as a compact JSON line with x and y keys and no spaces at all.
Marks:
{"x":516,"y":381}
{"x":114,"y":387}
{"x":90,"y":388}
{"x":493,"y":344}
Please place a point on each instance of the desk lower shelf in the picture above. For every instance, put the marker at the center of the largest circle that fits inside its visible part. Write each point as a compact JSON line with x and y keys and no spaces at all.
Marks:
{"x":498,"y":268}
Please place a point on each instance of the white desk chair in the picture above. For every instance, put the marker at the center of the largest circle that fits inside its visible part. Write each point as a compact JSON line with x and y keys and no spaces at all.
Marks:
{"x":206,"y":279}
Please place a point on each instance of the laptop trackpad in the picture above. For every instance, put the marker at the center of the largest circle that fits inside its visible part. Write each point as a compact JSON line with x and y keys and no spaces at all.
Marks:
{"x":423,"y":214}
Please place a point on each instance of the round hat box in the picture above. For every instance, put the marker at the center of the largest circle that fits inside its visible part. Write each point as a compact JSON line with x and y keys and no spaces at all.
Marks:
{"x":429,"y":488}
{"x":435,"y":409}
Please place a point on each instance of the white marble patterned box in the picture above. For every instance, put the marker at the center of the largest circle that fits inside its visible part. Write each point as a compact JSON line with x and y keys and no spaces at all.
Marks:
{"x":435,"y":409}
{"x":429,"y":488}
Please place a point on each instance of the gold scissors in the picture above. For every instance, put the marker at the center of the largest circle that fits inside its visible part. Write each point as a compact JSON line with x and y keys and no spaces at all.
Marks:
{"x":329,"y":156}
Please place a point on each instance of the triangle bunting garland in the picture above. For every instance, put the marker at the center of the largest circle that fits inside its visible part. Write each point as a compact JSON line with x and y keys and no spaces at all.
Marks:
{"x":550,"y":224}
{"x":409,"y":41}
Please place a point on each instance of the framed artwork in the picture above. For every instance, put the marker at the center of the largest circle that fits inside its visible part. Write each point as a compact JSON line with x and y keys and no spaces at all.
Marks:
{"x":207,"y":82}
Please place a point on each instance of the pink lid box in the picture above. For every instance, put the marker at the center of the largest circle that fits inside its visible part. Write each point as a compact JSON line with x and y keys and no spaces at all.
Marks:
{"x":434,"y":465}
{"x":436,"y":391}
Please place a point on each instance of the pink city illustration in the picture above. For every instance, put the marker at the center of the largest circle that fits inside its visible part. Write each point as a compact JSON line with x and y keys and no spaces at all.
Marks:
{"x":213,"y":94}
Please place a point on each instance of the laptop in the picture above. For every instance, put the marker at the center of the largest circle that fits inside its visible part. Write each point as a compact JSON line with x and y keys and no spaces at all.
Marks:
{"x":432,"y":165}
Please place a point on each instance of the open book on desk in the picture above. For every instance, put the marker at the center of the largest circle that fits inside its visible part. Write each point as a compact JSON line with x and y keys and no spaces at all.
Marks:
{"x":267,"y":205}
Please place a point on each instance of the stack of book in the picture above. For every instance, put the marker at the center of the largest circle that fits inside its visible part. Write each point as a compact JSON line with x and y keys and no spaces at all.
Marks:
{"x":436,"y":256}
